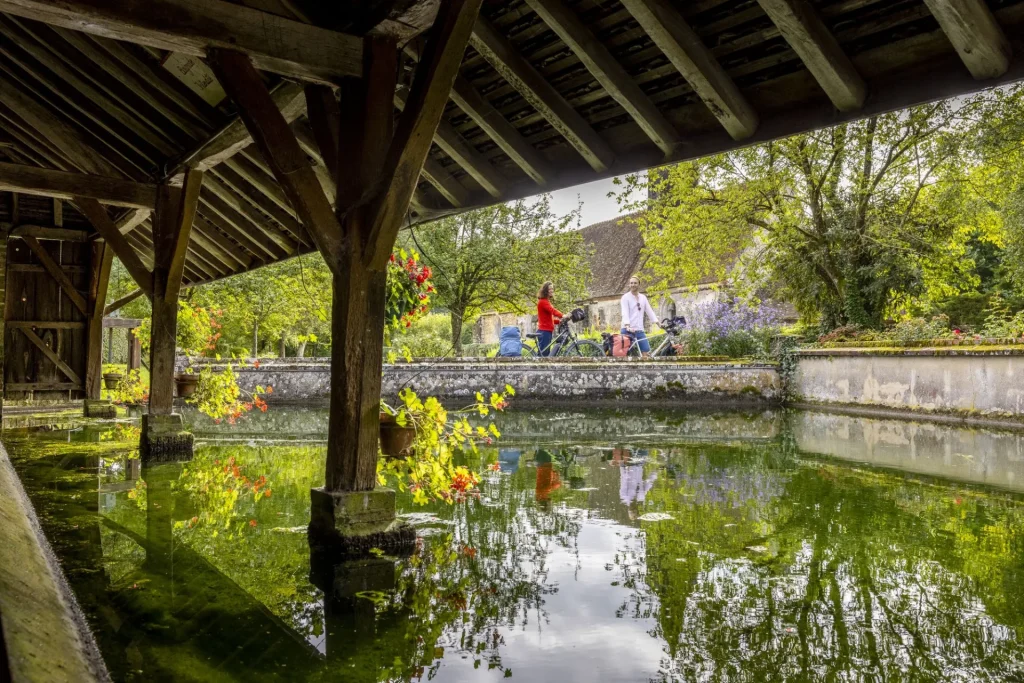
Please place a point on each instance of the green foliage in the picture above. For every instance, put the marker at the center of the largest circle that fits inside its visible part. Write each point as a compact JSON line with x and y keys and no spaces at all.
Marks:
{"x":498,"y":257}
{"x":131,"y":390}
{"x":427,"y":337}
{"x":197,"y":334}
{"x":218,"y":395}
{"x":918,"y":329}
{"x":1001,"y":322}
{"x":847,"y":223}
{"x":430,"y":473}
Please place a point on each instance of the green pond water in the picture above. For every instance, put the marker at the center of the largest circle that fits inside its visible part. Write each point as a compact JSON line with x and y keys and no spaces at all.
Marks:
{"x":604,"y":546}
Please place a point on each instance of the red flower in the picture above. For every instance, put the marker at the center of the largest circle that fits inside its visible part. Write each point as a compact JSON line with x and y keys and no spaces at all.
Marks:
{"x":426,"y":271}
{"x":423,"y":297}
{"x":408,"y":324}
{"x":255,"y":363}
{"x":252,"y":522}
{"x":392,"y":258}
{"x":270,"y":390}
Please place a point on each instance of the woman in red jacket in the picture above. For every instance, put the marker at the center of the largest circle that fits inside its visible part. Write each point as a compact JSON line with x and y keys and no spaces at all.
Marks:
{"x":547,"y":317}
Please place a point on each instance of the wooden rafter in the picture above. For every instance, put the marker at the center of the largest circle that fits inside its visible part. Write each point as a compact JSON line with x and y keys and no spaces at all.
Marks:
{"x":805,"y":32}
{"x":65,"y":185}
{"x":449,"y":188}
{"x":97,"y":215}
{"x":324,"y":120}
{"x":118,"y":304}
{"x":536,"y":90}
{"x":194,"y":27}
{"x":608,"y":72}
{"x":698,"y":66}
{"x":133,"y":219}
{"x":975,"y":34}
{"x":435,"y":75}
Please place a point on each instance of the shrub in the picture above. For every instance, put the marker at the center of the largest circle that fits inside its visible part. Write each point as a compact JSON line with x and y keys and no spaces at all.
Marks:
{"x":428,"y":337}
{"x":919,"y":329}
{"x":731,"y":328}
{"x":1000,"y":322}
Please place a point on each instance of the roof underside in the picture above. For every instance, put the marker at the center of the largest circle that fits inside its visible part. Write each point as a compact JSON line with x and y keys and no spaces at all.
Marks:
{"x":77,"y":102}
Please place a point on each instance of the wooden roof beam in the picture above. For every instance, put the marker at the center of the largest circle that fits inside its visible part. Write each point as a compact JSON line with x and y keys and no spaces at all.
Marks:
{"x":542,"y":96}
{"x":608,"y":72}
{"x":284,"y":46}
{"x":698,"y":66}
{"x":132,"y":220}
{"x":97,"y":215}
{"x":188,"y":202}
{"x":408,"y":150}
{"x":448,"y":187}
{"x":65,"y":185}
{"x":803,"y":29}
{"x":976,"y":35}
{"x":501,"y":131}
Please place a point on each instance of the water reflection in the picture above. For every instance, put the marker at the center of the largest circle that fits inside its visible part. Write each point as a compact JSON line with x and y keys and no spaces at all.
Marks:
{"x":674,"y":553}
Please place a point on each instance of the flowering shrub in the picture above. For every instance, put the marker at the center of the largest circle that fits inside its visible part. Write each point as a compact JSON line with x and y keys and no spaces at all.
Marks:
{"x":409,"y":291}
{"x":430,"y":473}
{"x":130,"y":390}
{"x":731,"y":328}
{"x":218,"y":396}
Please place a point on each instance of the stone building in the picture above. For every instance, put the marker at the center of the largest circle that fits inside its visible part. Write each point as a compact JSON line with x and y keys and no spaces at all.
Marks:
{"x":615,"y":248}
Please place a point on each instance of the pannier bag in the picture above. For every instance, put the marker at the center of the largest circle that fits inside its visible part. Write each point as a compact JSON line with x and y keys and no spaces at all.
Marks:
{"x":621,"y":344}
{"x":510,"y":345}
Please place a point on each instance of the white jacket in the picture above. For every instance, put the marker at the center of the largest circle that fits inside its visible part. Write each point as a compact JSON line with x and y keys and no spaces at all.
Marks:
{"x":633,"y":310}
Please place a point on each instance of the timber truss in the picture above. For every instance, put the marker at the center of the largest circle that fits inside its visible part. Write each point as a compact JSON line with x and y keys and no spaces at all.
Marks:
{"x":94,"y":106}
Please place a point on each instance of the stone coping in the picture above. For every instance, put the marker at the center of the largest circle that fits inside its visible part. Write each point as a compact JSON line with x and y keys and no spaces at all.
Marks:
{"x":682,"y":361}
{"x":932,"y":351}
{"x":45,"y":636}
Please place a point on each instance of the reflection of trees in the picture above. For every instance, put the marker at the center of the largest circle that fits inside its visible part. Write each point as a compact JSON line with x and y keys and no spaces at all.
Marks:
{"x":772,"y":569}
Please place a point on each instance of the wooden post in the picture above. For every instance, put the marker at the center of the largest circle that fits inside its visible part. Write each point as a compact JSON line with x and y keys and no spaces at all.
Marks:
{"x":134,"y":351}
{"x":102,"y":259}
{"x":165,"y":313}
{"x":4,"y":231}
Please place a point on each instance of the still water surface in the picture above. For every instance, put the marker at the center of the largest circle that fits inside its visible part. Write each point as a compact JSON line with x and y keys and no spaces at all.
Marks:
{"x":604,"y":547}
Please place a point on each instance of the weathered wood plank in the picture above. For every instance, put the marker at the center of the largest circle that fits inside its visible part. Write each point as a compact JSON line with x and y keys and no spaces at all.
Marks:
{"x":975,"y":34}
{"x":277,"y":143}
{"x":608,"y":72}
{"x":55,"y":271}
{"x":101,"y":260}
{"x":186,"y":213}
{"x":133,"y":219}
{"x":325,"y":120}
{"x":194,"y":27}
{"x":259,"y":241}
{"x":163,"y":334}
{"x":65,"y":185}
{"x":684,"y":48}
{"x":52,"y":357}
{"x":450,"y":188}
{"x":43,"y":386}
{"x":97,"y":215}
{"x":47,"y":324}
{"x":46,"y":232}
{"x":535,"y":89}
{"x":435,"y":75}
{"x":805,"y":32}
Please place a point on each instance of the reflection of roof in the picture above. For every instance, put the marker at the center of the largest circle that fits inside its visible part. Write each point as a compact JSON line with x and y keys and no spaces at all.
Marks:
{"x":615,"y":247}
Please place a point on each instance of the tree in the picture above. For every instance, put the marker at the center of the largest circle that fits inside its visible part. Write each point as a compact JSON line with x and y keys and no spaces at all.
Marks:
{"x":499,"y":257}
{"x":251,"y":303}
{"x":848,"y":223}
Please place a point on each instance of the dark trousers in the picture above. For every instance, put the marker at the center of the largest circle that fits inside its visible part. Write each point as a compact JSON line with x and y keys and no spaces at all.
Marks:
{"x":544,"y":342}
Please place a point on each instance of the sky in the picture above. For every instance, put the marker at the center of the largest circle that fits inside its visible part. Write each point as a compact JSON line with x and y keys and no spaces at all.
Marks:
{"x":597,"y":206}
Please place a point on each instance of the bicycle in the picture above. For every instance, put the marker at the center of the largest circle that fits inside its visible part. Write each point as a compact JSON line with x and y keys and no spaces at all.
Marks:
{"x":565,"y":342}
{"x":673,"y":327}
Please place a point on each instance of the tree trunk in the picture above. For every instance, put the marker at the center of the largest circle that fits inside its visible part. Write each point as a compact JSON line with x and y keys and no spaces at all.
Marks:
{"x":301,"y":352}
{"x":256,"y":340}
{"x":456,"y":316}
{"x":283,"y":349}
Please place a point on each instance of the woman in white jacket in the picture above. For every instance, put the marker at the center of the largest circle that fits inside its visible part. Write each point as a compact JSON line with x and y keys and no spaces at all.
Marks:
{"x":634,"y":306}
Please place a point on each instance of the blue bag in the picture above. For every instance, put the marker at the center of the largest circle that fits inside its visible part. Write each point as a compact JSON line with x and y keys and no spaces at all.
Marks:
{"x":510,"y":343}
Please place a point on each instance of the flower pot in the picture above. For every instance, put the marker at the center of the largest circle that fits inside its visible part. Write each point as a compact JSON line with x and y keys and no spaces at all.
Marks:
{"x":111,"y":379}
{"x":395,"y":440}
{"x":186,"y":384}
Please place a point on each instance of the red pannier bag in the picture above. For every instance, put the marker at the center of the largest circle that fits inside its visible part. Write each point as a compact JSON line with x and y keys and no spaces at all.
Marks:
{"x":620,"y":345}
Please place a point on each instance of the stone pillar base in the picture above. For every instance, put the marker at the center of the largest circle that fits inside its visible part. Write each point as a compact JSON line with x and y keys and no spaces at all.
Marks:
{"x":351,"y":523}
{"x":97,"y":407}
{"x":165,"y":439}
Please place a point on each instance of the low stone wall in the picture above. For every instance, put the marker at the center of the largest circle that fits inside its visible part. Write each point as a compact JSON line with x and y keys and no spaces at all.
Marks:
{"x":44,"y":634}
{"x":552,"y":381}
{"x":964,"y":382}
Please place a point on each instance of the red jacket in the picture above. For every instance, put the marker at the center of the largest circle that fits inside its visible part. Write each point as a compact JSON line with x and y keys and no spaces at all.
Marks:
{"x":545,"y":313}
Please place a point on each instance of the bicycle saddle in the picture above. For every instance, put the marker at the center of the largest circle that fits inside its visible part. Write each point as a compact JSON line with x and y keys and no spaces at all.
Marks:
{"x":533,"y":335}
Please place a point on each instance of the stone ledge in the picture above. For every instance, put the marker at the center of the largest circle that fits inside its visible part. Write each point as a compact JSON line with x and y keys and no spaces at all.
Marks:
{"x":965,"y":350}
{"x":44,"y":633}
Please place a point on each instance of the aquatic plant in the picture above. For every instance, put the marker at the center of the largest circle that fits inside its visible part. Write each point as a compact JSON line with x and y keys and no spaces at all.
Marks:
{"x":430,"y":473}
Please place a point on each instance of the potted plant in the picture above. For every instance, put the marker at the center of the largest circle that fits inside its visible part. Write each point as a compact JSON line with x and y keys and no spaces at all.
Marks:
{"x":395,"y":439}
{"x":112,"y":375}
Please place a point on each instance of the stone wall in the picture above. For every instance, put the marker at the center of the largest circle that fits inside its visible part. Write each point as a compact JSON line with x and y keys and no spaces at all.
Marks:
{"x":551,"y":381}
{"x":960,"y":381}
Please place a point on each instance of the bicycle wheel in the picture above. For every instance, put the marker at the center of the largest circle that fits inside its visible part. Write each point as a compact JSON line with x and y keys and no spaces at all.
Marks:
{"x":634,"y":350}
{"x":529,"y":351}
{"x":584,"y":348}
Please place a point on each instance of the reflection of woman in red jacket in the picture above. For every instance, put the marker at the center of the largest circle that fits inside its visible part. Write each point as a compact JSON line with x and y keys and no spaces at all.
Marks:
{"x":547,"y":317}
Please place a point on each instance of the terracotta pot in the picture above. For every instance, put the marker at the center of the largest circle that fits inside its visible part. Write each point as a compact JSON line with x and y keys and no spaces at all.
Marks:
{"x":186,"y":384}
{"x":395,"y":440}
{"x":110,"y":379}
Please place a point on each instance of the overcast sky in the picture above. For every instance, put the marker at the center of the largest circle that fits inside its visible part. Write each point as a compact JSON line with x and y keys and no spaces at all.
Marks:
{"x":597,"y":206}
